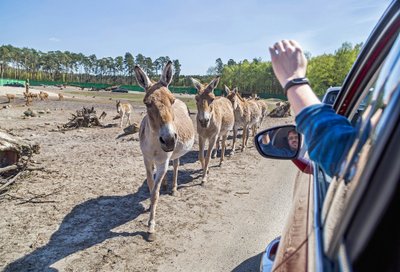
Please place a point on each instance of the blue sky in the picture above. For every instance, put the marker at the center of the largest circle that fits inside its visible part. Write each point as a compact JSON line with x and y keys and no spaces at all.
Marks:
{"x":195,"y":32}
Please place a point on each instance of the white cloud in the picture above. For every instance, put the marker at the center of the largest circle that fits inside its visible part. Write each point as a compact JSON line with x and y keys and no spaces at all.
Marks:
{"x":53,"y":39}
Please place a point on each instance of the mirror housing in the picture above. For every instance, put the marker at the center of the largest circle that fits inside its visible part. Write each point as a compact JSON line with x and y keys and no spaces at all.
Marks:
{"x":282,"y":142}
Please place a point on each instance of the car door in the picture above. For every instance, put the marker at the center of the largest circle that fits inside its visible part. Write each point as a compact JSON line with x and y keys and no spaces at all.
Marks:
{"x":348,"y":225}
{"x":322,"y":233}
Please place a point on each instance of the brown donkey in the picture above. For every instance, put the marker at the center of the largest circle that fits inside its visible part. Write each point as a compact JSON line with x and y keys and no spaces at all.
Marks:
{"x":124,"y":109}
{"x":215,"y":119}
{"x":166,"y":133}
{"x":247,"y":114}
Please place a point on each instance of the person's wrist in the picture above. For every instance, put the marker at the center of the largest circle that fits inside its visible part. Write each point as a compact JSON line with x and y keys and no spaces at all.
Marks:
{"x":299,"y":81}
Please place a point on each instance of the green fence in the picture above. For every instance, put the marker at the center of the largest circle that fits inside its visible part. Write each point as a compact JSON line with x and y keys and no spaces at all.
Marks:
{"x":4,"y":81}
{"x":181,"y":90}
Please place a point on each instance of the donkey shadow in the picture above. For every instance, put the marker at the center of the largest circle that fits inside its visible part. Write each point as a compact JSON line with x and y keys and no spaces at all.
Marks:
{"x":88,"y":224}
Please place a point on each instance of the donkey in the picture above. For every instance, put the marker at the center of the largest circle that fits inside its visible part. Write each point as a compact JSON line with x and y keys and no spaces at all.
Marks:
{"x":10,"y":97}
{"x":215,"y":119}
{"x":124,"y":109}
{"x":247,"y":114}
{"x":166,"y":133}
{"x":264,"y":112}
{"x":43,"y":95}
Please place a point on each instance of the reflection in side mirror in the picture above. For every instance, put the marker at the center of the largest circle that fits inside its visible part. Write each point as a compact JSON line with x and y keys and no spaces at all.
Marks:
{"x":282,"y":142}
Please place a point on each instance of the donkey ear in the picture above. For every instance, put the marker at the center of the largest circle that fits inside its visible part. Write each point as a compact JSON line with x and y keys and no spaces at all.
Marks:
{"x":197,"y":84}
{"x":142,"y":78}
{"x":166,"y":76}
{"x":213,"y":84}
{"x":227,"y":91}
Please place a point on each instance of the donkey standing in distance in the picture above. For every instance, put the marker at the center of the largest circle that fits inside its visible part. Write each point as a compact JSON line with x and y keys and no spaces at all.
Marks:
{"x":247,"y":114}
{"x":124,"y":109}
{"x":166,"y":133}
{"x":215,"y":119}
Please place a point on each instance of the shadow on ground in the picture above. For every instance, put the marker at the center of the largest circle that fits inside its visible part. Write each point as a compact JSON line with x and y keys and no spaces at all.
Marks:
{"x":88,"y":224}
{"x":251,"y":264}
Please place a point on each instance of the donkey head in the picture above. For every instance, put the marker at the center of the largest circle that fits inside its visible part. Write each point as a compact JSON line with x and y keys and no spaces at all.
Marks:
{"x":159,"y":101}
{"x":232,"y":96}
{"x":118,"y":105}
{"x":204,"y":99}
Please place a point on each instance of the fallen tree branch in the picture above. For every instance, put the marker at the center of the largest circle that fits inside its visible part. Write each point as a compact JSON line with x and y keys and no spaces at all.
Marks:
{"x":8,"y":168}
{"x":11,"y":181}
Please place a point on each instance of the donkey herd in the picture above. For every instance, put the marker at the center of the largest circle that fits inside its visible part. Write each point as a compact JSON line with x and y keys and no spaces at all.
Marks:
{"x":167,"y":132}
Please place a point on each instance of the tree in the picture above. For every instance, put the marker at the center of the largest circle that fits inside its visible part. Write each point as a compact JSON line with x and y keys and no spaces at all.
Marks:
{"x":129,"y":63}
{"x":219,"y":66}
{"x":177,"y":70}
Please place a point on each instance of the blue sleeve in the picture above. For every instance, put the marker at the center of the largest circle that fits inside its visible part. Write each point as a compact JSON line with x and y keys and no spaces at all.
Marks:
{"x":327,"y":134}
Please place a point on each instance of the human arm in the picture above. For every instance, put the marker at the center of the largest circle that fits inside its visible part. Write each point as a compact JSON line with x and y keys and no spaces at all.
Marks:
{"x":289,"y":62}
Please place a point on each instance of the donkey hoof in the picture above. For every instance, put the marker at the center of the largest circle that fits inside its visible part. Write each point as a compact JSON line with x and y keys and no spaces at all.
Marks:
{"x":151,"y":237}
{"x":175,"y":193}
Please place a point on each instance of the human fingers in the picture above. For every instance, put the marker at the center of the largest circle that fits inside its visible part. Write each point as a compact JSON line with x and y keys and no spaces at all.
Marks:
{"x":296,"y":45}
{"x":272,"y":52}
{"x":279,"y":47}
{"x":288,"y":46}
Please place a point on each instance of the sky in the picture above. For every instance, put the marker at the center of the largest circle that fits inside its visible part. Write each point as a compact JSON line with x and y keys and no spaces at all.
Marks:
{"x":194,"y":32}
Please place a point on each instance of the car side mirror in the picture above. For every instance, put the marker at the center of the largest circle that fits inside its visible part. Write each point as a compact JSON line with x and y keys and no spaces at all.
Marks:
{"x":282,"y":142}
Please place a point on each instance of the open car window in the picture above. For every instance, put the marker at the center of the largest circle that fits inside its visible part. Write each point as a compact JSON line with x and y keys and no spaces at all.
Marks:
{"x":373,"y":122}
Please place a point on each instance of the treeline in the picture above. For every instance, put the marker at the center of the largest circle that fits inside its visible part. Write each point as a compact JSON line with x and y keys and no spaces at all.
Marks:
{"x":255,"y":76}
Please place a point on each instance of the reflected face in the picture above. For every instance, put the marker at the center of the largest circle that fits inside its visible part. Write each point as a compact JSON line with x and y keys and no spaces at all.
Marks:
{"x":293,"y":140}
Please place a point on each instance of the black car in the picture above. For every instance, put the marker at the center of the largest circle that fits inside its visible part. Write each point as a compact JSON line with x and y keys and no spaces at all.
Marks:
{"x":14,"y":84}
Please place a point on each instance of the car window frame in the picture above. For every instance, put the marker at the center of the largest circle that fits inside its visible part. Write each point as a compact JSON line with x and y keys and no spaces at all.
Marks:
{"x":356,"y":84}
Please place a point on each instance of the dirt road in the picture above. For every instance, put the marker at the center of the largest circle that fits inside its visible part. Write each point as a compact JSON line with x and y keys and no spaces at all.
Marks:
{"x":86,"y":210}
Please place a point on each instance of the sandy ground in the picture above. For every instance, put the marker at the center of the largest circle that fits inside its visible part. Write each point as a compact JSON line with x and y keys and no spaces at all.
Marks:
{"x":87,"y":210}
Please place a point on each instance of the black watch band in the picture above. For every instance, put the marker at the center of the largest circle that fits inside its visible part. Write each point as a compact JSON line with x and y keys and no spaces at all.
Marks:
{"x":295,"y":81}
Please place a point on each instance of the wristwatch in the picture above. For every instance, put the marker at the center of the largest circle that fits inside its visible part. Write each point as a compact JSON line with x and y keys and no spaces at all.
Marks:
{"x":295,"y":81}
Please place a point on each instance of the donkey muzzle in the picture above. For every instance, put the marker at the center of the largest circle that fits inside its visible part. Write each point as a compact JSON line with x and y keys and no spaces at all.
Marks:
{"x":168,"y":142}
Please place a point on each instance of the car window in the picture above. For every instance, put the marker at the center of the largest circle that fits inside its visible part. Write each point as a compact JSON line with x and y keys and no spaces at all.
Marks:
{"x":369,"y":116}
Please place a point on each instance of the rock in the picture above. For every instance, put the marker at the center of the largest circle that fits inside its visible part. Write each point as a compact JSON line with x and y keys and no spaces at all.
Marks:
{"x":132,"y":129}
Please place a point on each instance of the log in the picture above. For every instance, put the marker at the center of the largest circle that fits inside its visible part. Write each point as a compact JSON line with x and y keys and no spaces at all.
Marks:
{"x":13,"y":148}
{"x":84,"y":118}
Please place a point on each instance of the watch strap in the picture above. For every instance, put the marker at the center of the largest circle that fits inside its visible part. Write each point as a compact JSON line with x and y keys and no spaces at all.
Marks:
{"x":295,"y":81}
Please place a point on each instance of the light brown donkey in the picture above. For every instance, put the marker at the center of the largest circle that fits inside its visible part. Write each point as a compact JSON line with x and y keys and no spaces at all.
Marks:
{"x":124,"y":109}
{"x":215,"y":119}
{"x":166,"y":133}
{"x":10,"y":97}
{"x":264,"y":112}
{"x":247,"y":114}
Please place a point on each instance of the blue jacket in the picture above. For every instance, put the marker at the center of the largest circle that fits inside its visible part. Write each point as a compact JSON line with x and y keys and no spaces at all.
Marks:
{"x":327,"y":134}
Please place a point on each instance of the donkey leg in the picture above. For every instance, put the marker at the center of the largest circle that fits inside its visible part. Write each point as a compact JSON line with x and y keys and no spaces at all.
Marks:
{"x":155,"y":194}
{"x":149,"y":174}
{"x":223,"y":148}
{"x":215,"y":152}
{"x":129,"y":118}
{"x":175,"y":181}
{"x":247,"y":136}
{"x":235,"y":130}
{"x":201,"y":151}
{"x":244,"y":135}
{"x":211,"y":144}
{"x":122,"y":118}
